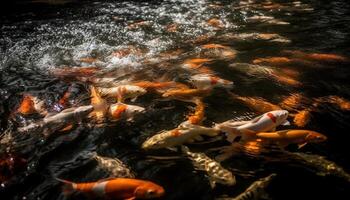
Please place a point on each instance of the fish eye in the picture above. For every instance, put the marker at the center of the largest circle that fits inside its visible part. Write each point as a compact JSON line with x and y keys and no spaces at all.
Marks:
{"x":151,"y":192}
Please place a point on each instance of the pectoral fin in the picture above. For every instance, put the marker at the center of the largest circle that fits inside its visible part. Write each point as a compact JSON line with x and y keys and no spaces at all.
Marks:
{"x":67,"y":128}
{"x":199,"y":138}
{"x":212,"y":183}
{"x":301,"y":145}
{"x":131,"y":198}
{"x":286,"y":123}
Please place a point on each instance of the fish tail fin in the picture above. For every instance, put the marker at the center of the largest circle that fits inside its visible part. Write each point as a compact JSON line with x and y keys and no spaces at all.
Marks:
{"x":99,"y":104}
{"x":68,"y":187}
{"x":184,"y":149}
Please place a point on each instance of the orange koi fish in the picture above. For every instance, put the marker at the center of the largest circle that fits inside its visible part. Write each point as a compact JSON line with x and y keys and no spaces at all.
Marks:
{"x":319,"y":57}
{"x":198,"y":116}
{"x":218,"y":51}
{"x":75,"y":71}
{"x":88,"y":60}
{"x":217,"y":23}
{"x":172,"y":28}
{"x":148,"y":85}
{"x":186,"y":94}
{"x":207,"y":81}
{"x":286,"y":137}
{"x":257,"y":104}
{"x":342,"y":103}
{"x":99,"y":104}
{"x":302,"y":118}
{"x":285,"y":79}
{"x":116,"y":188}
{"x":31,"y":105}
{"x":138,"y":24}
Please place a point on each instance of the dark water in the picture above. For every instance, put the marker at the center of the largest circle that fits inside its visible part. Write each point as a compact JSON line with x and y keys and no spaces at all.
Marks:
{"x":36,"y":38}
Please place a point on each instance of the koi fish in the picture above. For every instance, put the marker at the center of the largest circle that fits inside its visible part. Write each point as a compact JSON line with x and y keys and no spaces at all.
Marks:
{"x":123,"y":92}
{"x":185,"y":132}
{"x":281,"y":61}
{"x":116,"y":188}
{"x":322,"y":166}
{"x":216,"y":23}
{"x":198,"y":116}
{"x":120,"y":110}
{"x":216,"y":173}
{"x":139,"y":24}
{"x":186,"y":94}
{"x":302,"y":118}
{"x":195,"y":63}
{"x":256,"y":190}
{"x":265,"y":122}
{"x":342,"y":103}
{"x":206,"y":81}
{"x":75,"y":71}
{"x":148,"y":85}
{"x":256,"y":103}
{"x":217,"y":51}
{"x":172,"y":28}
{"x":286,"y":137}
{"x":30,"y":105}
{"x":272,"y":37}
{"x":114,"y":167}
{"x":319,"y":57}
{"x":99,"y":104}
{"x":52,"y":123}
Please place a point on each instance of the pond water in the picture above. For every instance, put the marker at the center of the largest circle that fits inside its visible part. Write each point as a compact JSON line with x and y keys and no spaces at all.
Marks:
{"x":292,"y":55}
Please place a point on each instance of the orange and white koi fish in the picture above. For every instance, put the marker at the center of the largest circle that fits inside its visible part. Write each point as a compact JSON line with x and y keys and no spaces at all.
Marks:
{"x":116,"y":188}
{"x":286,"y":137}
{"x":30,"y":105}
{"x":123,"y":92}
{"x":265,"y":122}
{"x":257,"y":104}
{"x":272,"y":37}
{"x":198,"y":116}
{"x":119,"y":110}
{"x":206,"y":81}
{"x":186,"y":94}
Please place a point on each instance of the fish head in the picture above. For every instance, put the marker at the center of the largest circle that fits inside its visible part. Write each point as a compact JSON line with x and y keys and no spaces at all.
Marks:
{"x":155,"y":142}
{"x":135,"y":109}
{"x":315,"y":137}
{"x":136,"y":90}
{"x":83,"y":110}
{"x":226,"y":178}
{"x":278,"y":116}
{"x":149,"y":191}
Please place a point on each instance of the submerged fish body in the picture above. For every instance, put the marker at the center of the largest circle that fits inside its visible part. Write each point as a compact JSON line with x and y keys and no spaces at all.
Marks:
{"x":123,"y":92}
{"x":30,"y":105}
{"x":206,"y":81}
{"x":184,"y":133}
{"x":120,"y":110}
{"x":115,"y":188}
{"x":323,"y":166}
{"x":216,"y":173}
{"x":265,"y":122}
{"x":256,"y":190}
{"x":114,"y":167}
{"x":286,"y":137}
{"x":59,"y":120}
